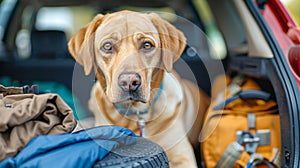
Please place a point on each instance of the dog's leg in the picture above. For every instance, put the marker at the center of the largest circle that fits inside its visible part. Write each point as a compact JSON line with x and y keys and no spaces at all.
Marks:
{"x":182,"y":155}
{"x":177,"y":146}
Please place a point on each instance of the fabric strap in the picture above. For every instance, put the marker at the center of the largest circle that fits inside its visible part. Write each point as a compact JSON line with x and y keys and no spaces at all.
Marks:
{"x":230,"y":156}
{"x":235,"y":154}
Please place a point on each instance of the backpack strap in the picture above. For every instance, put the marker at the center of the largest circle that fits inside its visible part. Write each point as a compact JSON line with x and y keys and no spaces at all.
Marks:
{"x":235,"y":154}
{"x":245,"y":94}
{"x":276,"y":157}
{"x":243,"y":151}
{"x":231,"y":155}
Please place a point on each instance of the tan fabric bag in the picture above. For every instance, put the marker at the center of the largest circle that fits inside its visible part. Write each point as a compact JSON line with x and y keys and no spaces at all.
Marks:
{"x":24,"y":116}
{"x":240,"y":131}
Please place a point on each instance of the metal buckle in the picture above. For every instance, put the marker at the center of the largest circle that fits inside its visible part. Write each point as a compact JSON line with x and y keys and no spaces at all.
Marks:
{"x":252,"y":141}
{"x":34,"y":89}
{"x":142,"y":126}
{"x":247,"y":139}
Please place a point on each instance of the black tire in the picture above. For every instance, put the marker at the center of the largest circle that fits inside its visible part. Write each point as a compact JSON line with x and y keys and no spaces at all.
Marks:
{"x":142,"y":154}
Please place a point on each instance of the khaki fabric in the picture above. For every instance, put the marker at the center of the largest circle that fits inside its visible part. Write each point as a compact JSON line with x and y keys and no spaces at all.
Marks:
{"x":24,"y":116}
{"x":10,"y":90}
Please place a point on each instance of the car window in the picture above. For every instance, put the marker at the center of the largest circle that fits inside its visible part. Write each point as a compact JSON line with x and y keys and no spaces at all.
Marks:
{"x":67,"y":20}
{"x":217,"y":44}
{"x":6,"y":7}
{"x":54,"y":18}
{"x":293,"y":6}
{"x":188,"y":21}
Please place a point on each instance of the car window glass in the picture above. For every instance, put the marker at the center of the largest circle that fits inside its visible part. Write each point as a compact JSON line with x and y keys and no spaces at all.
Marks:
{"x":23,"y":36}
{"x":293,"y":6}
{"x":54,"y":18}
{"x":6,"y":7}
{"x":217,"y":44}
{"x":185,"y":19}
{"x":68,"y":20}
{"x":164,"y":12}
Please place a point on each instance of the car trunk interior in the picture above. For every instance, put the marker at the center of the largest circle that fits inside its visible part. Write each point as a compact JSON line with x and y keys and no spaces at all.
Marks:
{"x":250,"y":51}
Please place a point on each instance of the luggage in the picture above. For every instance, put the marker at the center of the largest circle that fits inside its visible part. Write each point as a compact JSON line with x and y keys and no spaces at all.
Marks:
{"x":24,"y":115}
{"x":242,"y":126}
{"x":28,"y":122}
{"x":78,"y":149}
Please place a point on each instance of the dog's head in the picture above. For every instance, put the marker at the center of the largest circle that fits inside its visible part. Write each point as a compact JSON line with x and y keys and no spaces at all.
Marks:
{"x":129,"y":52}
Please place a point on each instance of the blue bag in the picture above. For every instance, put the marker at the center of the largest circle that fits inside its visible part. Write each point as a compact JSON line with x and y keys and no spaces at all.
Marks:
{"x":79,"y":149}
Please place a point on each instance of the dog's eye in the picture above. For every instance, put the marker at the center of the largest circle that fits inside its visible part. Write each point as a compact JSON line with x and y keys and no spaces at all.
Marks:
{"x":148,"y":46}
{"x":107,"y":47}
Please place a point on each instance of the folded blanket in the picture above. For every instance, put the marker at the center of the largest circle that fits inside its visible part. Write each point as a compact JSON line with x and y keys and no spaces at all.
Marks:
{"x":25,"y":116}
{"x":79,"y":149}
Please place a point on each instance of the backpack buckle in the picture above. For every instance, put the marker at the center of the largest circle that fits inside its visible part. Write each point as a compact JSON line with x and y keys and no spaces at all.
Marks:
{"x":250,"y":141}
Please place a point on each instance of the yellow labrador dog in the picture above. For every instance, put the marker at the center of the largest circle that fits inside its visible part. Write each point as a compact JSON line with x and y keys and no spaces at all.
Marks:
{"x":133,"y":54}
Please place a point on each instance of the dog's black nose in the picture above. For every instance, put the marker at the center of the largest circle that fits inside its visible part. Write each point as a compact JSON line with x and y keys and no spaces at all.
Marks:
{"x":129,"y":81}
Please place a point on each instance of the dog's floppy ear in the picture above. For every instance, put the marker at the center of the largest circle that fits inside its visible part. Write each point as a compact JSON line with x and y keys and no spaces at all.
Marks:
{"x":172,"y":41}
{"x":81,"y":44}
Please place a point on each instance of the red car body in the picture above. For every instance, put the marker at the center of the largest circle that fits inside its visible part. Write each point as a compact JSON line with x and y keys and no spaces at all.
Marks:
{"x":286,"y":32}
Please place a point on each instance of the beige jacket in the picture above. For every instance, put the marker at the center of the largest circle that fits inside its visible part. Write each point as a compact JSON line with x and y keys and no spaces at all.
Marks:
{"x":24,"y":116}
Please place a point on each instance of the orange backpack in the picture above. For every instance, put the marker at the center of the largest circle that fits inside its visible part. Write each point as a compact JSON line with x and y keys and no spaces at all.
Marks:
{"x":242,"y":126}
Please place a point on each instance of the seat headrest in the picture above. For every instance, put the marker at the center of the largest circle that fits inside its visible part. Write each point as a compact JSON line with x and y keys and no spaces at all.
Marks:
{"x":47,"y":44}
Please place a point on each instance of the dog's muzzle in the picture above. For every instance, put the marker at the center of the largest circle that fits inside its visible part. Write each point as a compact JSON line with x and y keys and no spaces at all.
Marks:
{"x":128,"y":111}
{"x":130,"y":85}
